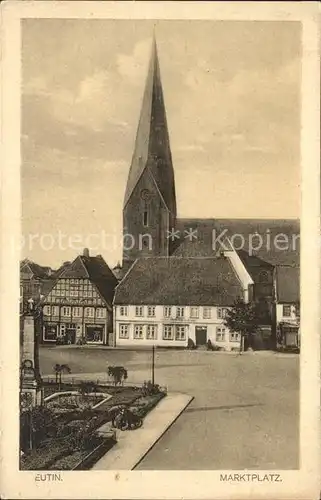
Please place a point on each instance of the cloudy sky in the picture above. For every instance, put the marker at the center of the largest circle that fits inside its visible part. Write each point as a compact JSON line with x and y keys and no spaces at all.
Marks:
{"x":232,"y":97}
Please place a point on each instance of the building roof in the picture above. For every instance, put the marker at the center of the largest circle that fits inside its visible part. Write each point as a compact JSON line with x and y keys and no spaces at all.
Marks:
{"x":212,"y":236}
{"x":287,"y":284}
{"x":279,"y":239}
{"x":252,"y":261}
{"x":93,"y":268}
{"x":152,"y":146}
{"x":36,"y":270}
{"x":179,"y":281}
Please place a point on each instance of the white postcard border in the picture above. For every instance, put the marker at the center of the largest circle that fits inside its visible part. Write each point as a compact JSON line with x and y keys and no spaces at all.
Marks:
{"x":161,"y":484}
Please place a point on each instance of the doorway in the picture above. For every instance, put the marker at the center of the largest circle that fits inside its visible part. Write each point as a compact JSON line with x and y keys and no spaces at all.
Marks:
{"x":70,"y":334}
{"x":200,"y":335}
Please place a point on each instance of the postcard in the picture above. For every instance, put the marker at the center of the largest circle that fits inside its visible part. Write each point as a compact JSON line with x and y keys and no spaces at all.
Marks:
{"x":160,"y":256}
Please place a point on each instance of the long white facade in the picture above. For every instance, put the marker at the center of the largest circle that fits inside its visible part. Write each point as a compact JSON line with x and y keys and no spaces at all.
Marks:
{"x":172,"y":326}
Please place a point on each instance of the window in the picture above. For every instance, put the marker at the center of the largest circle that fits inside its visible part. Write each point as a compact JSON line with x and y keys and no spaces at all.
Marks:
{"x":145,"y":218}
{"x":180,"y":332}
{"x":95,"y":333}
{"x":123,"y":311}
{"x":235,"y":337}
{"x":89,"y":312}
{"x":207,"y":312}
{"x":73,"y":293}
{"x":287,"y":311}
{"x":221,"y":313}
{"x":220,"y":334}
{"x":66,"y":311}
{"x":168,"y":333}
{"x":138,"y":331}
{"x":180,"y":312}
{"x":100,"y":312}
{"x":124,"y":331}
{"x":55,"y":310}
{"x":151,"y":332}
{"x":139,"y":311}
{"x":263,"y":277}
{"x":50,"y":332}
{"x":76,"y":312}
{"x":151,"y":311}
{"x":194,"y":312}
{"x":46,"y":310}
{"x":167,"y":311}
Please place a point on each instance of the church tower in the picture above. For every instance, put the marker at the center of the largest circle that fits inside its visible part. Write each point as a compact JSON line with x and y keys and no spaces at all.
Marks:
{"x":149,"y":209}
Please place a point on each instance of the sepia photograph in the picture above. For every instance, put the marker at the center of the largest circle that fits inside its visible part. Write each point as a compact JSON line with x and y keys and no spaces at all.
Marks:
{"x":159,"y":251}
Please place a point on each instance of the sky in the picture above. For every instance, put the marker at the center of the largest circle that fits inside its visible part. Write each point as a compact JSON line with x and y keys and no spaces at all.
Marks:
{"x":232,"y":96}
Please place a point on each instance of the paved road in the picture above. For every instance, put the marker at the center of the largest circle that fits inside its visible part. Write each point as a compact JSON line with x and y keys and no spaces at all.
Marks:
{"x":245,"y":413}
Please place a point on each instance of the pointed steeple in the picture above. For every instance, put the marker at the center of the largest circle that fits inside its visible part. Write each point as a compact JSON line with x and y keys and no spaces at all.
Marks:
{"x":152,"y":146}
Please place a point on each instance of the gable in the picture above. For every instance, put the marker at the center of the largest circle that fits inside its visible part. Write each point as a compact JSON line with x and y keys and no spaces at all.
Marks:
{"x":75,"y":291}
{"x":75,"y":270}
{"x":26,"y":272}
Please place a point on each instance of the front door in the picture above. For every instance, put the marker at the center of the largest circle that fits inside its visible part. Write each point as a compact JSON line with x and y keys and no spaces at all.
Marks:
{"x":200,"y":335}
{"x":71,"y":333}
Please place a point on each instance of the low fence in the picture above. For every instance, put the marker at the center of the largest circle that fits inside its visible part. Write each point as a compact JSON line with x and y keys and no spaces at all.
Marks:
{"x":73,"y":381}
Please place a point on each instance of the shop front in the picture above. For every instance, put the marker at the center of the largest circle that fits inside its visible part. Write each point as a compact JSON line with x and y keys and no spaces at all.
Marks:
{"x":94,"y":334}
{"x":290,"y":335}
{"x":50,"y":332}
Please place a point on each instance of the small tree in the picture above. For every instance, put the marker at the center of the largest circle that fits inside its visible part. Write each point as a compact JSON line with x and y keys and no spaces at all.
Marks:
{"x":59,"y":370}
{"x":243,"y":318}
{"x":118,"y":374}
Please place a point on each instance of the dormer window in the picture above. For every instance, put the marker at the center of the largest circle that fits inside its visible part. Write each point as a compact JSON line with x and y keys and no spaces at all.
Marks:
{"x":263,"y":277}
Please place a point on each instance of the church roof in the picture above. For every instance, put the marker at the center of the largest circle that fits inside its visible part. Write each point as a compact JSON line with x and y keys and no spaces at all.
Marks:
{"x":287,"y":284}
{"x":212,"y":235}
{"x":277,"y":240}
{"x":152,"y":147}
{"x":179,"y":281}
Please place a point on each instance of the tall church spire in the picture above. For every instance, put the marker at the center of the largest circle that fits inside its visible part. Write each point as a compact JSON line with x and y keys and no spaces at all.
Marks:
{"x":152,"y":146}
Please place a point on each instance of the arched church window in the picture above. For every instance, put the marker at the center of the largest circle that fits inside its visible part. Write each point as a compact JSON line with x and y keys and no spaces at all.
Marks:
{"x":145,"y":216}
{"x":145,"y":195}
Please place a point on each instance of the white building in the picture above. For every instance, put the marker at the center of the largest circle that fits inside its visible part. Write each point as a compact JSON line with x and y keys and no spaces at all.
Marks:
{"x":167,"y":301}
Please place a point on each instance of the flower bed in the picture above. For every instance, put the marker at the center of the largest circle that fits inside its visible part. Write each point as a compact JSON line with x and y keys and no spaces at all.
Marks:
{"x":44,"y":457}
{"x":74,"y":443}
{"x":145,"y":404}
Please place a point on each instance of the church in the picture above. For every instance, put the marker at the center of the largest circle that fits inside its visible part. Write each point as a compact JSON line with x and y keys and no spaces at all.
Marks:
{"x":179,"y":276}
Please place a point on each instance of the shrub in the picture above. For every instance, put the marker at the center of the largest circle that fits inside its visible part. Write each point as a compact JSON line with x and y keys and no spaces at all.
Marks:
{"x":191,"y":344}
{"x":87,"y":387}
{"x":148,"y":388}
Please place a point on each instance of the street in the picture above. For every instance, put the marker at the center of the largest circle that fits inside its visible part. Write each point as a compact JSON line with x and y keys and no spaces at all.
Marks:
{"x":245,"y":412}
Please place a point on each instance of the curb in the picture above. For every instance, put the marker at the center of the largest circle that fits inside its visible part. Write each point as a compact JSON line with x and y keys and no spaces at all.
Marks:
{"x":163,"y":432}
{"x":123,"y":461}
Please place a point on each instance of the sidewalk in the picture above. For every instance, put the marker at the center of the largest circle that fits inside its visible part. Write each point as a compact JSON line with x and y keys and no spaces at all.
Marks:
{"x":132,"y":446}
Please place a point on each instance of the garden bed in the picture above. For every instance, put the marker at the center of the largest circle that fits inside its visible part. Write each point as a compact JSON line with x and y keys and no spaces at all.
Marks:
{"x":65,"y":450}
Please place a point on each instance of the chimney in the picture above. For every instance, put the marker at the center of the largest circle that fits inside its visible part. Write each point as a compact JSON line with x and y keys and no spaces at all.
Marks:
{"x":86,"y":252}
